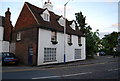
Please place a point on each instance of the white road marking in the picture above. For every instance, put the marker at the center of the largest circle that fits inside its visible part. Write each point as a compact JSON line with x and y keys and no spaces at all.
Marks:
{"x":62,"y":75}
{"x":113,"y":69}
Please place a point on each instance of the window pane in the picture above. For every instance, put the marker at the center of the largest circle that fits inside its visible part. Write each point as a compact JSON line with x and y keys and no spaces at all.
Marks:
{"x":54,"y":36}
{"x":69,"y":39}
{"x":79,"y":40}
{"x":77,"y":53}
{"x":49,"y":54}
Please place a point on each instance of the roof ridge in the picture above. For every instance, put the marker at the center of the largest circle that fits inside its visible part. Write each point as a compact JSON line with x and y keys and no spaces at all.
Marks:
{"x":32,"y":5}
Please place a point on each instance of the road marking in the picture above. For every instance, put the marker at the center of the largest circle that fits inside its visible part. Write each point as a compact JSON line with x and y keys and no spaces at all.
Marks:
{"x":113,"y":69}
{"x":110,"y":57}
{"x":103,"y":63}
{"x":46,"y":77}
{"x":62,"y":75}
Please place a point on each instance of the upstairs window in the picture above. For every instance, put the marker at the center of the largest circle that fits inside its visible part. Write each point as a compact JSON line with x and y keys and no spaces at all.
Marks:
{"x":79,"y":41}
{"x":18,"y":36}
{"x":46,"y":17}
{"x":73,"y":25}
{"x":54,"y":37}
{"x":69,"y":39}
{"x":61,"y":21}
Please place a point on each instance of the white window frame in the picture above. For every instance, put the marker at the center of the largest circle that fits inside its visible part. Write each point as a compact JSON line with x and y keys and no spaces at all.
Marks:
{"x":53,"y":36}
{"x":61,"y":21}
{"x":79,"y":40}
{"x":78,"y":54}
{"x":18,"y":36}
{"x":46,"y":17}
{"x":69,"y":38}
{"x":73,"y":25}
{"x":49,"y":54}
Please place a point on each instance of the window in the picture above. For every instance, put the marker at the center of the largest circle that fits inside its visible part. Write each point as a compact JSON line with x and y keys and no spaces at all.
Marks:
{"x":69,"y":39}
{"x":73,"y":25}
{"x":61,"y":21}
{"x":79,"y":41}
{"x":46,"y":17}
{"x":18,"y":36}
{"x":54,"y":37}
{"x":77,"y":53}
{"x":49,"y":54}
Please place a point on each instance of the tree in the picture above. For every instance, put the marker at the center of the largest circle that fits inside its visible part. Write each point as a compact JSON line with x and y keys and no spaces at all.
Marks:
{"x":92,"y":43}
{"x":109,"y":42}
{"x":80,"y":19}
{"x":92,"y":38}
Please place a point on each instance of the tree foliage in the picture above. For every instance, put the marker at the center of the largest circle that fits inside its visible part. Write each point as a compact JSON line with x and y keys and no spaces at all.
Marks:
{"x":92,"y":43}
{"x":92,"y":38}
{"x":109,"y":42}
{"x":80,"y":19}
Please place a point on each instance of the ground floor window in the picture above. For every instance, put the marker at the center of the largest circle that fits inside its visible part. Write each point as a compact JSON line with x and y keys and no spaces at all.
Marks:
{"x":77,"y":53}
{"x":49,"y":54}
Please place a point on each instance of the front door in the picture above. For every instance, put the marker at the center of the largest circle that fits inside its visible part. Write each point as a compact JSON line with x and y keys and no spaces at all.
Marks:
{"x":30,"y":55}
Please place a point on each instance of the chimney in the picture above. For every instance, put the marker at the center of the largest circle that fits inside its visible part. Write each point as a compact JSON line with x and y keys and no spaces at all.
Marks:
{"x":8,"y":14}
{"x":8,"y":26}
{"x":48,"y":5}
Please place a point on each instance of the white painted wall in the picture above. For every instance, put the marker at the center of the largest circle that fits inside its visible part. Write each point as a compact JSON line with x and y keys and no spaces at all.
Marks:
{"x":1,"y":32}
{"x":0,"y":46}
{"x":4,"y":46}
{"x":44,"y":41}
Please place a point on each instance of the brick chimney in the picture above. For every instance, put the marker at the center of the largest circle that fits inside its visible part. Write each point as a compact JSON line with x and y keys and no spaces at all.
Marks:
{"x":8,"y":26}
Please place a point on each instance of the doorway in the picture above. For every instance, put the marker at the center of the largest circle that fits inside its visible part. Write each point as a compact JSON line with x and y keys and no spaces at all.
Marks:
{"x":30,"y":56}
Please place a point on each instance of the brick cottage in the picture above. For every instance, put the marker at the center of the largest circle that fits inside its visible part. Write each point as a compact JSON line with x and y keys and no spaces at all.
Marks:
{"x":38,"y":37}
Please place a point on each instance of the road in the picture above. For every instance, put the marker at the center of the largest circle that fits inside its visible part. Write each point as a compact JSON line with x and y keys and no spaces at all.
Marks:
{"x":106,"y":68}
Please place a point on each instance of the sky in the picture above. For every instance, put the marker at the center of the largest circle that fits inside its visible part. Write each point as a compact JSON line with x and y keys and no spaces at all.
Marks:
{"x":100,"y":14}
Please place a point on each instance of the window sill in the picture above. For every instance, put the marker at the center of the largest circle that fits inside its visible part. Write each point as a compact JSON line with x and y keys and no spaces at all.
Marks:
{"x":50,"y":61}
{"x":18,"y":40}
{"x":54,"y":42}
{"x":80,"y":44}
{"x":70,"y":44}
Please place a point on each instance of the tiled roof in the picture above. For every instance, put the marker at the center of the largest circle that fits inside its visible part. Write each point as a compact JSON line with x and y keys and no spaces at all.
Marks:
{"x":53,"y":23}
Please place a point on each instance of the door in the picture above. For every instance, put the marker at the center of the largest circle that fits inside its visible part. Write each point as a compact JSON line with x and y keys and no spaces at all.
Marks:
{"x":30,"y":55}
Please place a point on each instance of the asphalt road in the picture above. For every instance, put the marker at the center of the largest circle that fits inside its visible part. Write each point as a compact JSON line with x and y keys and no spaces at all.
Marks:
{"x":106,"y":68}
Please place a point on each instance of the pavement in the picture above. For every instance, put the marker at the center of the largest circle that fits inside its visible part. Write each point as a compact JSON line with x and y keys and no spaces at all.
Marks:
{"x":96,"y":60}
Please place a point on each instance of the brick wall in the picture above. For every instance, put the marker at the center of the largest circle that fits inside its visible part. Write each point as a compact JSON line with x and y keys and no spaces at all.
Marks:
{"x":8,"y":26}
{"x":26,"y":25}
{"x":25,"y":19}
{"x":28,"y":39}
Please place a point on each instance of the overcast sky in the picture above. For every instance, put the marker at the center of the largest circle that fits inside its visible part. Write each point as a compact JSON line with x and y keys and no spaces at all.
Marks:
{"x":100,"y":14}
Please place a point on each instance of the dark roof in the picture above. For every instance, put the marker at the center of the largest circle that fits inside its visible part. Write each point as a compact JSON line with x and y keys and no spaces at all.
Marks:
{"x":53,"y":24}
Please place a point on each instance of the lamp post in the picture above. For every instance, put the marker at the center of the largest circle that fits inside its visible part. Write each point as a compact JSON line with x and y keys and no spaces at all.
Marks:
{"x":65,"y":31}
